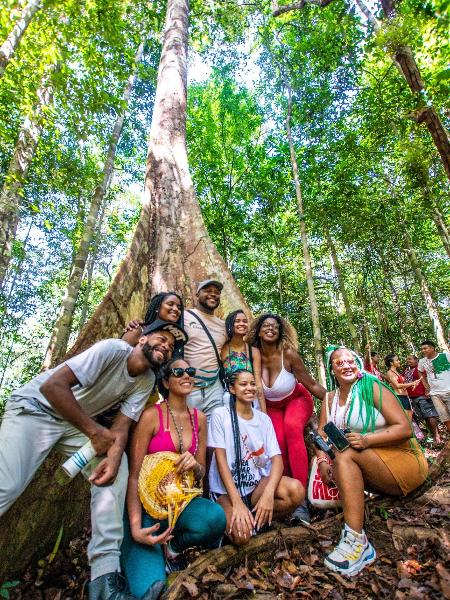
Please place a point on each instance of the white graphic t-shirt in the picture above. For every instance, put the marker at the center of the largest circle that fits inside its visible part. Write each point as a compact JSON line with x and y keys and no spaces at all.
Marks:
{"x":438,"y":372}
{"x":258,"y":446}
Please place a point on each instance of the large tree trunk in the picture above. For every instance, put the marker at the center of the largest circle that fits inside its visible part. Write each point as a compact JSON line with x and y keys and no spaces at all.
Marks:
{"x":318,"y":349}
{"x":343,"y":291}
{"x":170,"y":250}
{"x":12,"y":192}
{"x":426,"y":293}
{"x":11,"y":43}
{"x":59,"y":339}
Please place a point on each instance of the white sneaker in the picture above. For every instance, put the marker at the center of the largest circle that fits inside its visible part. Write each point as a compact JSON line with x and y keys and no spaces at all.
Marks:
{"x":352,"y":554}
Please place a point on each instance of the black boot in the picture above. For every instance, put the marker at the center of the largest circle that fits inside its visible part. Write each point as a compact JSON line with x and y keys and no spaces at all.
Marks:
{"x":155,"y":591}
{"x":111,"y":586}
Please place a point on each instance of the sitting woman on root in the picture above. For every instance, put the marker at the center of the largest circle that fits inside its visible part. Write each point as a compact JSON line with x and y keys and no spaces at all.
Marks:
{"x":286,"y":383}
{"x":170,"y":426}
{"x":246,"y":475}
{"x":382,"y":457}
{"x":237,"y":354}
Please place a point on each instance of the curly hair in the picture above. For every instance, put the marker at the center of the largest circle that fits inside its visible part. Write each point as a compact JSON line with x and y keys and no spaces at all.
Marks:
{"x":164,"y":374}
{"x":288,"y":335}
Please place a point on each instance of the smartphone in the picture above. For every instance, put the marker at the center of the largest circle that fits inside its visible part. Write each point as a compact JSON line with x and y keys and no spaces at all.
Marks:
{"x":336,"y":437}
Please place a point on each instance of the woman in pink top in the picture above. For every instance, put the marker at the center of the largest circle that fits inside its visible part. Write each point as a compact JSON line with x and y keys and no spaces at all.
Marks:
{"x":284,"y":379}
{"x":169,"y":426}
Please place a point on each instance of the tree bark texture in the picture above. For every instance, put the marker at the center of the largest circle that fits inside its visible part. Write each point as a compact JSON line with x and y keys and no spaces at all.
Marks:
{"x":318,"y":349}
{"x":9,"y":46}
{"x":343,"y":291}
{"x":59,"y":339}
{"x":426,"y":293}
{"x":170,"y":250}
{"x":404,"y":60}
{"x":12,"y":192}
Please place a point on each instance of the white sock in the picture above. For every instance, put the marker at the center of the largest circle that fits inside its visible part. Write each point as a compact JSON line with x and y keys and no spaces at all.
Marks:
{"x":361,"y":537}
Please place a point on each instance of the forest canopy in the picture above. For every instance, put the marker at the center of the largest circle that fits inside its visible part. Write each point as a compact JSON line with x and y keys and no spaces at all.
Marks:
{"x":318,"y":146}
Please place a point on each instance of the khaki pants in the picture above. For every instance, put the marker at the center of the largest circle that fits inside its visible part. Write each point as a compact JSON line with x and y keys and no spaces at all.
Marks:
{"x":207,"y":399}
{"x":442,"y":405}
{"x":27,"y":435}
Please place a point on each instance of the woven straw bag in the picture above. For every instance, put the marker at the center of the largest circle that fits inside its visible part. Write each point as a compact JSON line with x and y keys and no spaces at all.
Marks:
{"x":163,"y":492}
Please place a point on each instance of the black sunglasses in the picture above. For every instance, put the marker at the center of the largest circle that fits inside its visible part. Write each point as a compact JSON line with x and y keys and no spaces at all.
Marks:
{"x":180,"y":371}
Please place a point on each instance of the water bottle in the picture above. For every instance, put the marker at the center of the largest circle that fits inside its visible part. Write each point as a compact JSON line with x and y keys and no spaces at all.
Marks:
{"x":75,"y":463}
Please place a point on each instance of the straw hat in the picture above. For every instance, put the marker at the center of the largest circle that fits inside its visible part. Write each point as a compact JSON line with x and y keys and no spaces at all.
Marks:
{"x":164,"y":493}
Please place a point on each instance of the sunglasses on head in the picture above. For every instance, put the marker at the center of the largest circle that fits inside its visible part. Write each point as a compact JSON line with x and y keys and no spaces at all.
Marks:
{"x":180,"y":371}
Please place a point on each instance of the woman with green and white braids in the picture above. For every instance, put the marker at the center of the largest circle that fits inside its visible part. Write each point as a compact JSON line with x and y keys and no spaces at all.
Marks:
{"x":382,"y":456}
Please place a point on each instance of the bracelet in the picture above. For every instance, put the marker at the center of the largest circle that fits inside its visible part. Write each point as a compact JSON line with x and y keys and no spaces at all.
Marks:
{"x":321,"y":459}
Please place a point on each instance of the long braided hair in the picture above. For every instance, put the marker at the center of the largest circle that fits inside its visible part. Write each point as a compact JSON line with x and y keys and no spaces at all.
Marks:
{"x":155,"y":304}
{"x":237,"y":435}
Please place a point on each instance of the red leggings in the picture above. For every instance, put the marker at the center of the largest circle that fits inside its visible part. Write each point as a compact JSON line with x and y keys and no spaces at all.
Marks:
{"x":289,"y":417}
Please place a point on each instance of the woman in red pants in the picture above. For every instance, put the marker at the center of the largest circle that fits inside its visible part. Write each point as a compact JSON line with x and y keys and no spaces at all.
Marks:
{"x":286,"y":384}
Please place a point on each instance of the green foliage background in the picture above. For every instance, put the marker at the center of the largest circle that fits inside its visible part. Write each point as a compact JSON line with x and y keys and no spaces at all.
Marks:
{"x":368,"y":173}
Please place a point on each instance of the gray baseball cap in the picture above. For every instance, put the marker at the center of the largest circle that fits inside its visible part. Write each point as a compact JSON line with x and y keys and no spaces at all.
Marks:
{"x":203,"y":284}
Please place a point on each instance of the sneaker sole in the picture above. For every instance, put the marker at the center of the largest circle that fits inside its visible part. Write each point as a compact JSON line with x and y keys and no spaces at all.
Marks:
{"x":355,"y":569}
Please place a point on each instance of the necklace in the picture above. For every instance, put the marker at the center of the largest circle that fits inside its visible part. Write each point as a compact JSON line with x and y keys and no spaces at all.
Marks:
{"x":179,"y":429}
{"x":346,"y":405}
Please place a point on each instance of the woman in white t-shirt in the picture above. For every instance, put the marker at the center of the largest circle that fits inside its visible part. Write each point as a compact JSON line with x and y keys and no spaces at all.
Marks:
{"x":246,"y":474}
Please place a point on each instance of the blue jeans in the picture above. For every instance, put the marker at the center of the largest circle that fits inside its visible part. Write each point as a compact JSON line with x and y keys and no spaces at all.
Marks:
{"x":201,"y":524}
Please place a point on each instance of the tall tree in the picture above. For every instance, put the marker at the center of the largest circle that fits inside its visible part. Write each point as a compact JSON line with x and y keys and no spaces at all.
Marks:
{"x":11,"y":43}
{"x":403,"y":56}
{"x":57,"y":346}
{"x":12,"y":192}
{"x":170,"y":250}
{"x":318,"y":348}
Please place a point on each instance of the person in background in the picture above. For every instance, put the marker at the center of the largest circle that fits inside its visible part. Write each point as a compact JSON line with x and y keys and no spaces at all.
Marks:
{"x":168,"y":427}
{"x":246,"y":475}
{"x":423,"y":406}
{"x":381,"y":458}
{"x":239,"y":355}
{"x":397,"y":382}
{"x":286,"y":384}
{"x":434,"y":367}
{"x":371,"y":361}
{"x":206,"y":338}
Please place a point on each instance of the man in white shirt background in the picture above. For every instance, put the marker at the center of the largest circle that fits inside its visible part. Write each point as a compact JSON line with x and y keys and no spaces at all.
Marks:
{"x":434,"y":367}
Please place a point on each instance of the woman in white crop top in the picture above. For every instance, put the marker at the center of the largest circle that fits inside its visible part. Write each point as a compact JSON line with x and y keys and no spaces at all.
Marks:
{"x":289,"y":405}
{"x":382,"y":457}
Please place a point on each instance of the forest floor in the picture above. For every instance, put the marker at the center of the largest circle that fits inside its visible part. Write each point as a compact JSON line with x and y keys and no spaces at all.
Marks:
{"x":412,"y":540}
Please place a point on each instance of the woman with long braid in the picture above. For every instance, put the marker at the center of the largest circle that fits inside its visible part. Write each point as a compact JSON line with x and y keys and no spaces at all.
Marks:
{"x":382,"y":457}
{"x":246,"y":475}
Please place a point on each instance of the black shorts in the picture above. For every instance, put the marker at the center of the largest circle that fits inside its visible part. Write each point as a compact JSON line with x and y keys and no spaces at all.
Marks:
{"x":406,"y":402}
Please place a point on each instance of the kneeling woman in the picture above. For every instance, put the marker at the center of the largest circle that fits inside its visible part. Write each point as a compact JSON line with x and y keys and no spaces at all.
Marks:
{"x":381,"y":458}
{"x":170,"y":426}
{"x":246,"y":475}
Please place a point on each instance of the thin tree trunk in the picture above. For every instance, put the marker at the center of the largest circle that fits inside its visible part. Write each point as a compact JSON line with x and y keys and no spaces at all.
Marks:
{"x":426,"y":293}
{"x":90,"y":268}
{"x":404,"y":59}
{"x":171,"y":248}
{"x":318,"y":349}
{"x":59,"y":339}
{"x":343,"y":290}
{"x":438,"y":219}
{"x":12,"y":192}
{"x":10,"y":45}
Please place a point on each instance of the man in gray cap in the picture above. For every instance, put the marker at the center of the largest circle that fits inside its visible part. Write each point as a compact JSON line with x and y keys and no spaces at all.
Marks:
{"x":57,"y":409}
{"x":206,"y":337}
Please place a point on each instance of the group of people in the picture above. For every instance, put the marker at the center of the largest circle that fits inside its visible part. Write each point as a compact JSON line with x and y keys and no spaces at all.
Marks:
{"x":423,"y":386}
{"x":236,"y":397}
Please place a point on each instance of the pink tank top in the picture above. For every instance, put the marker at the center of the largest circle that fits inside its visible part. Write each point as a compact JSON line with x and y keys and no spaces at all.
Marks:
{"x":162,"y":441}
